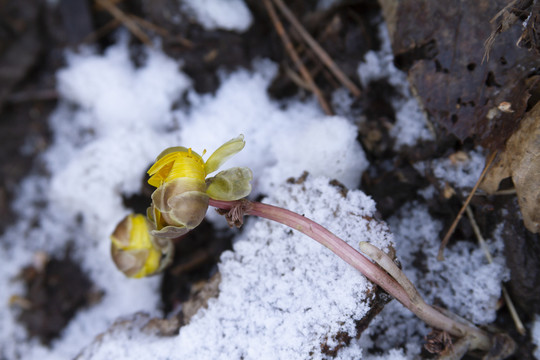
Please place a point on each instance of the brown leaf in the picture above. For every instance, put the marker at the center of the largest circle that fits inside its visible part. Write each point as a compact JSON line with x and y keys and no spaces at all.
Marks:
{"x":521,"y":160}
{"x":441,"y":45}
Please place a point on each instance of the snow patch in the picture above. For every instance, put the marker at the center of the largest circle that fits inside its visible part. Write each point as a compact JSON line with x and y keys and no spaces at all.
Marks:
{"x":220,"y":14}
{"x":113,"y":119}
{"x":461,"y":172}
{"x":536,"y":336}
{"x":465,"y":282}
{"x":105,"y":133}
{"x":283,"y":291}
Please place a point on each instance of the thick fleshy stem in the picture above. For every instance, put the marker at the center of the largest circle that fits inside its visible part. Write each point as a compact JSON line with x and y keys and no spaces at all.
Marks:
{"x":236,"y":209}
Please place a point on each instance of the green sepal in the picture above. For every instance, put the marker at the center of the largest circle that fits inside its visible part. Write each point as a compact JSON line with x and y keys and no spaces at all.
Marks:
{"x":223,"y":153}
{"x":231,"y":184}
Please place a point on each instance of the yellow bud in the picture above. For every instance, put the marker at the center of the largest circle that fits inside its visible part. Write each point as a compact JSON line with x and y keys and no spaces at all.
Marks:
{"x":135,"y":251}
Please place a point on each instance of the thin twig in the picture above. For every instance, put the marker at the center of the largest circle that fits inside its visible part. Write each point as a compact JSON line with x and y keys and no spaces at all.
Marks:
{"x":102,"y":31}
{"x":513,"y":312}
{"x":149,"y":26}
{"x":296,"y":59}
{"x":161,"y":31}
{"x":297,"y":79}
{"x":314,"y":45}
{"x":478,"y":234}
{"x":126,"y":20}
{"x":452,"y":228}
{"x":517,"y":321}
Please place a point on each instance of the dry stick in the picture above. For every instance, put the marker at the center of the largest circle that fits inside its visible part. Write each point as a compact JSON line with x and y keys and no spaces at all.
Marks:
{"x":373,"y":272}
{"x":294,"y":56}
{"x":161,"y":31}
{"x":297,"y":79}
{"x":126,"y":20}
{"x":102,"y":31}
{"x":517,"y":321}
{"x":450,"y":231}
{"x":314,"y":45}
{"x":149,"y":26}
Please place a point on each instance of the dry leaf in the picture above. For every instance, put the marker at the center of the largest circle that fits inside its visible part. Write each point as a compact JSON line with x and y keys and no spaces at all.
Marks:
{"x":521,"y":160}
{"x":443,"y":58}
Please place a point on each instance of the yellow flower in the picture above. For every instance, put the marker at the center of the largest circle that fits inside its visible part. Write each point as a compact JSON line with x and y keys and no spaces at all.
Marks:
{"x":180,"y":201}
{"x":135,"y":251}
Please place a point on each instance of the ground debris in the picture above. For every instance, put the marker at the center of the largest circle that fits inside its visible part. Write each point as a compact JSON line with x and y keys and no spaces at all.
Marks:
{"x":20,"y":43}
{"x":55,"y":290}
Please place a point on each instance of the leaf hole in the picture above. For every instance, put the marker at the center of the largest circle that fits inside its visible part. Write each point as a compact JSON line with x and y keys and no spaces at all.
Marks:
{"x":440,"y":68}
{"x":490,"y":80}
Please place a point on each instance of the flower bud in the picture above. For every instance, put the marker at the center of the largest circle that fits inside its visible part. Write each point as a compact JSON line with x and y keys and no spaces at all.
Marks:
{"x":181,"y":199}
{"x":180,"y":203}
{"x":135,"y":251}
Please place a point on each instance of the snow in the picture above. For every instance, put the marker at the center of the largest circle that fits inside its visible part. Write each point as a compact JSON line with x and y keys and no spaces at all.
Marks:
{"x":461,"y":170}
{"x":220,"y":14}
{"x":271,"y":286}
{"x":465,"y":283}
{"x":536,"y":336}
{"x":283,"y":291}
{"x":99,"y":151}
{"x":280,"y":142}
{"x":114,"y":118}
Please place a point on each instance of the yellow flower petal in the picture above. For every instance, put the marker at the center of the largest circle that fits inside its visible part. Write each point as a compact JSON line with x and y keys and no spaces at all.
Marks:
{"x":174,"y":163}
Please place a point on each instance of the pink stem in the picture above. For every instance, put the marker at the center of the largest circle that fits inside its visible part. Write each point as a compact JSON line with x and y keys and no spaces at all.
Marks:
{"x":370,"y":270}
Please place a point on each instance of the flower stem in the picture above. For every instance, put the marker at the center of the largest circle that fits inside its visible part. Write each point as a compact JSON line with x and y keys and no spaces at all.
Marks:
{"x":479,"y":339}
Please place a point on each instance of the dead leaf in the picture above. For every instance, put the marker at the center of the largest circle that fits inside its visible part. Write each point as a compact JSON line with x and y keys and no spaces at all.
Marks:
{"x":443,"y":58}
{"x":521,"y":160}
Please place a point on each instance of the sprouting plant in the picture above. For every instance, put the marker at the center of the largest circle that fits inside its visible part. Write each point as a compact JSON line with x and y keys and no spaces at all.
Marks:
{"x":144,"y":246}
